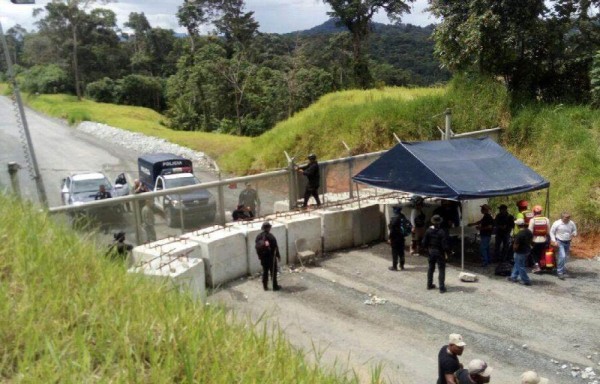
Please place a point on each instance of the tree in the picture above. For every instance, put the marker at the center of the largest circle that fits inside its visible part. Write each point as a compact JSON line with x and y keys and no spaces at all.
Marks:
{"x":356,"y":15}
{"x":67,"y":16}
{"x":192,"y":14}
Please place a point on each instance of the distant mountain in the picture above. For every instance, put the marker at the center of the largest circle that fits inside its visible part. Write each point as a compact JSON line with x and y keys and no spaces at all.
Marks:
{"x":406,"y":47}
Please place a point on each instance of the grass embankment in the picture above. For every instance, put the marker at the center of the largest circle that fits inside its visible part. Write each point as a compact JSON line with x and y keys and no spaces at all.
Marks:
{"x":136,"y":119}
{"x":69,"y":315}
{"x":367,"y":120}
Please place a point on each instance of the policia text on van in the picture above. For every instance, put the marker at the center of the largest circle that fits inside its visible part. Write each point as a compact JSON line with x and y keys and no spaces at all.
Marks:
{"x":160,"y":171}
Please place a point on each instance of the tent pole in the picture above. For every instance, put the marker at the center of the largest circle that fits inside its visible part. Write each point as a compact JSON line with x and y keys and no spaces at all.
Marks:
{"x":548,"y":203}
{"x":462,"y":245}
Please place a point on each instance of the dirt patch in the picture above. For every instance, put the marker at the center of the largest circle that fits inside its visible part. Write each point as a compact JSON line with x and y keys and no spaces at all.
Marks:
{"x":586,"y":246}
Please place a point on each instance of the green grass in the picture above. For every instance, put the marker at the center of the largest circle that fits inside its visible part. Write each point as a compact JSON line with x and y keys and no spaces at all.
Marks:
{"x":562,"y":143}
{"x":70,"y":315}
{"x":136,"y":119}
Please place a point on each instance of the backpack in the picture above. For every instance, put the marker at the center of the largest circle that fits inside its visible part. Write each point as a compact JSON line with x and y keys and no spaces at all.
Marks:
{"x":405,"y":226}
{"x":262,"y":246}
{"x":402,"y":225}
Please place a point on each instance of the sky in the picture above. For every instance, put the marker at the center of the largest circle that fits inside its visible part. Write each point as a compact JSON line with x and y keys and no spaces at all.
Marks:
{"x":274,"y":16}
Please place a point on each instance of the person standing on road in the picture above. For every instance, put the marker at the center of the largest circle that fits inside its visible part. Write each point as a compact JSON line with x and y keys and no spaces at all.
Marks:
{"x":102,"y":216}
{"x":530,"y":377}
{"x":436,"y":242}
{"x":561,"y":234}
{"x":477,"y":372}
{"x":399,"y":227}
{"x":486,"y":227}
{"x":249,"y":198}
{"x":540,"y":227}
{"x":448,"y":362}
{"x":139,"y":187}
{"x":504,"y":223}
{"x":522,"y":249}
{"x":268,"y":253}
{"x":313,"y":176}
{"x":419,"y":224}
{"x":148,"y":221}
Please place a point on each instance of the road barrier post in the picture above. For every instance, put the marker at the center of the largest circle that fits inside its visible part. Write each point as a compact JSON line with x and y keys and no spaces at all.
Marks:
{"x":13,"y":169}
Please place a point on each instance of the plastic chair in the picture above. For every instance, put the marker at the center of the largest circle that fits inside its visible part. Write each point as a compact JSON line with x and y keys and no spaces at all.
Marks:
{"x":303,"y":253}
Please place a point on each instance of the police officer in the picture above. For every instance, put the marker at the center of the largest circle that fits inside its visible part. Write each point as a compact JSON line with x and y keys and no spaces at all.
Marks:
{"x":313,"y":176}
{"x":268,"y":253}
{"x":436,"y":242}
{"x":397,"y":238}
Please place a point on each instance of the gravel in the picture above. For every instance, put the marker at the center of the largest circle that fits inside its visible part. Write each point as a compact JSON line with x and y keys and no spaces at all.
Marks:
{"x":140,"y":143}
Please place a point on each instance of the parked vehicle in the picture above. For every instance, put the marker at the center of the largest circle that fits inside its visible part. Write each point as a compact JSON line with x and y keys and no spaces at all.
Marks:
{"x":161,"y":171}
{"x":79,"y":188}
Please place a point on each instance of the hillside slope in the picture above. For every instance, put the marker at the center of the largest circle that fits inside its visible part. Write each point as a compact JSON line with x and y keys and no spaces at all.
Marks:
{"x":560,"y":142}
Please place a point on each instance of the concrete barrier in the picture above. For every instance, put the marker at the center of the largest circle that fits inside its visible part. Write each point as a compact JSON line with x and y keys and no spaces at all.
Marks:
{"x":251,"y":229}
{"x":304,"y":225}
{"x":366,"y":223}
{"x":223,"y":251}
{"x":186,"y":273}
{"x":336,"y":227}
{"x":170,"y":246}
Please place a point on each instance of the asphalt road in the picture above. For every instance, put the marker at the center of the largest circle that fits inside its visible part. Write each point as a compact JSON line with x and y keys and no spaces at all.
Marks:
{"x":513,"y":327}
{"x":59,"y":149}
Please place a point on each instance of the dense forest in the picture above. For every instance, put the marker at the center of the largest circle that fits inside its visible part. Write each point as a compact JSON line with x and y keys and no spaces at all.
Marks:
{"x":233,"y":80}
{"x":238,"y":80}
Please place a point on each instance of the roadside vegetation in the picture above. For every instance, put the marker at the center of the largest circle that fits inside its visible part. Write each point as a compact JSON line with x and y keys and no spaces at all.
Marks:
{"x":559,"y":141}
{"x":68,"y":314}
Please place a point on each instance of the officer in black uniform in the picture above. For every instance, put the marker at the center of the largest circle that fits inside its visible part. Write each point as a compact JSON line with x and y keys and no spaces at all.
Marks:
{"x":436,"y":242}
{"x":119,"y":249}
{"x":313,"y":176}
{"x":397,"y":240}
{"x":268,"y":253}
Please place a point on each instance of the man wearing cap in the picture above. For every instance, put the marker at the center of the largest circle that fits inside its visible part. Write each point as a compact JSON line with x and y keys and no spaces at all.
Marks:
{"x":448,"y":362}
{"x":477,"y":372}
{"x":530,"y":377}
{"x":398,"y":224}
{"x":522,"y":249}
{"x":504,"y":223}
{"x":436,"y":242}
{"x":561,"y":234}
{"x":249,"y":198}
{"x":313,"y":176}
{"x":486,"y":227}
{"x":268,"y":253}
{"x":540,"y":227}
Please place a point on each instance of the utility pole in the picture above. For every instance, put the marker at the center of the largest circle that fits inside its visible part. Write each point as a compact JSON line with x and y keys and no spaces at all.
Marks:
{"x":36,"y":173}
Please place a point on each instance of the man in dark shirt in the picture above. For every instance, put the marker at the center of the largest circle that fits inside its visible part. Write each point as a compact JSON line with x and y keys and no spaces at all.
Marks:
{"x":268,"y":253}
{"x":504,"y":223}
{"x":448,"y":362}
{"x":313,"y":176}
{"x":522,"y":248}
{"x":242,"y":213}
{"x":102,"y":214}
{"x":486,"y":227}
{"x":436,"y":243}
{"x":397,"y":240}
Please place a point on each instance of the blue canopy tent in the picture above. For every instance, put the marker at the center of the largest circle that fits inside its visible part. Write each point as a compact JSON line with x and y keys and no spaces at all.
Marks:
{"x":458,"y":169}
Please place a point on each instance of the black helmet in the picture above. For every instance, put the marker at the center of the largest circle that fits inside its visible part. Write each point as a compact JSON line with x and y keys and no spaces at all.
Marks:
{"x":416,"y":199}
{"x":119,"y":236}
{"x":266,"y":225}
{"x":312,"y":156}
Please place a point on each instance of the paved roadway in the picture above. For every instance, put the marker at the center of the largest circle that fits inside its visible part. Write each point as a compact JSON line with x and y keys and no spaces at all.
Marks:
{"x":59,"y":149}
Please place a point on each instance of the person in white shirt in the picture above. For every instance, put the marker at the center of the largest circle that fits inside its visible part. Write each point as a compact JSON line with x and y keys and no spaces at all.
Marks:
{"x":561,"y":234}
